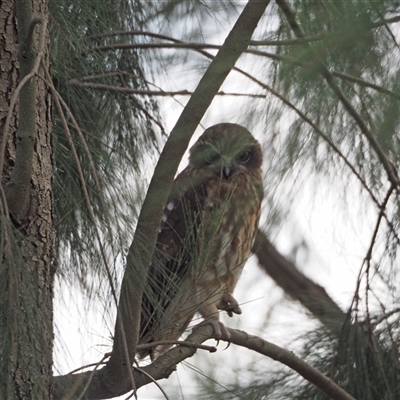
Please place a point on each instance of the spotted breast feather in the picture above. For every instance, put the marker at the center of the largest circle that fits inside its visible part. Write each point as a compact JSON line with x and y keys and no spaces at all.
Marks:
{"x":205,"y":237}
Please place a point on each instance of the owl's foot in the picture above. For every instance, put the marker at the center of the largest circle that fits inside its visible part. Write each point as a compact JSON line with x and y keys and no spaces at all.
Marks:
{"x":220,"y":331}
{"x":229,"y":304}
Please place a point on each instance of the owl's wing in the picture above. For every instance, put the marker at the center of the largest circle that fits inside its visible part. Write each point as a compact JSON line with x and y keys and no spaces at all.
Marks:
{"x":176,"y":244}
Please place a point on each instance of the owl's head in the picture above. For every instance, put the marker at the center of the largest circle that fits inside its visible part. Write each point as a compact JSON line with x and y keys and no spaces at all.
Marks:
{"x":226,"y":149}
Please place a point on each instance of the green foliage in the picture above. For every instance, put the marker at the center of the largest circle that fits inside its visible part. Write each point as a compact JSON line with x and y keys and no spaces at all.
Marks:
{"x":346,"y":44}
{"x":361,"y":358}
{"x":118,"y":131}
{"x":351,"y":40}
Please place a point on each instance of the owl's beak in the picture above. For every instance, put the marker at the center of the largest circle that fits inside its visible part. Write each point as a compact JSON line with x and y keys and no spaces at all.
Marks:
{"x":227,"y":171}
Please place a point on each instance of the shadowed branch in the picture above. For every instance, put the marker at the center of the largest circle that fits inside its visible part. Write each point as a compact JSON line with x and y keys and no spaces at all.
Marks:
{"x":166,"y":364}
{"x":297,"y":285}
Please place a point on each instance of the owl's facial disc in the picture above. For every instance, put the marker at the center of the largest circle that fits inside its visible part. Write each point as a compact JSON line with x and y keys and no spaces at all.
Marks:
{"x":226,"y":150}
{"x":224,"y":162}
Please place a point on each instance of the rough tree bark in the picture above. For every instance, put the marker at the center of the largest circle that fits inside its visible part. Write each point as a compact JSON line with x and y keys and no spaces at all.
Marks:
{"x":26,"y":237}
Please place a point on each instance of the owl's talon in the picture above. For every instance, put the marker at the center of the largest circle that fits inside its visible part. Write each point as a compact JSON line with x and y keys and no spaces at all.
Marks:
{"x":229,"y":304}
{"x":227,"y":346}
{"x":222,"y":182}
{"x":220,"y":331}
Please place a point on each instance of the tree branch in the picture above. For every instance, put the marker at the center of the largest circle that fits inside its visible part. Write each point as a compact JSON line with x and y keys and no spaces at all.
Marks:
{"x":287,"y":102}
{"x":128,"y":90}
{"x":297,"y":285}
{"x":118,"y":368}
{"x":181,"y":45}
{"x":199,"y":48}
{"x":58,"y":100}
{"x":163,"y":366}
{"x":390,"y":168}
{"x":287,"y":358}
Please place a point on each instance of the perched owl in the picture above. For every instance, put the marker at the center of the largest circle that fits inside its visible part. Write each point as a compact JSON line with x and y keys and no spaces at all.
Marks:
{"x":206,"y":233}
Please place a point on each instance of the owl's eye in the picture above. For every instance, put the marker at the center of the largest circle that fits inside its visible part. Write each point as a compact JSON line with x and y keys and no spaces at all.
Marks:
{"x":243,"y":157}
{"x":212,"y":157}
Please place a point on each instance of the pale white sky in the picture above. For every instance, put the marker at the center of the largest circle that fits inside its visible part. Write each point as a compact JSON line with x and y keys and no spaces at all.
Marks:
{"x":336,"y":238}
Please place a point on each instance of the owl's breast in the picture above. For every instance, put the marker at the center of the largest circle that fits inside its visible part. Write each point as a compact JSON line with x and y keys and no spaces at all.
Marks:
{"x":235,"y":211}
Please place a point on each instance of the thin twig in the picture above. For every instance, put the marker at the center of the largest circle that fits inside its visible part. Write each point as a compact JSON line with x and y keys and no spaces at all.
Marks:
{"x":378,"y":222}
{"x":58,"y":100}
{"x":74,"y":371}
{"x":211,"y":349}
{"x":286,"y":42}
{"x":141,"y":370}
{"x":94,"y":137}
{"x":127,"y":46}
{"x":347,"y":77}
{"x":386,"y":315}
{"x":198,"y":47}
{"x":264,"y":42}
{"x":364,"y":83}
{"x":368,"y":256}
{"x":127,"y":90}
{"x":80,"y":397}
{"x":390,"y":168}
{"x":252,"y":42}
{"x":288,"y":103}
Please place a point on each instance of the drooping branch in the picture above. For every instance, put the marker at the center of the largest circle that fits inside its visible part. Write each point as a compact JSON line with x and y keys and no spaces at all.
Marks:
{"x":302,"y":115}
{"x":289,"y":359}
{"x":338,"y":74}
{"x":265,"y":42}
{"x":388,"y":165}
{"x":199,"y":47}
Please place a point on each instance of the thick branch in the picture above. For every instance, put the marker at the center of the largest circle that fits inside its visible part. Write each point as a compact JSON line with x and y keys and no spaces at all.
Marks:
{"x":288,"y":277}
{"x":71,"y":385}
{"x":297,"y":285}
{"x":140,"y":253}
{"x":163,"y":367}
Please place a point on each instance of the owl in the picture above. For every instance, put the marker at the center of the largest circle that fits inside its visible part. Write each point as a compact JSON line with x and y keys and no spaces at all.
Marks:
{"x":205,"y":237}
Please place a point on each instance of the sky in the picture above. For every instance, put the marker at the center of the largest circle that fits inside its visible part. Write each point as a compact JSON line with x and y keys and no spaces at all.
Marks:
{"x":323,"y":231}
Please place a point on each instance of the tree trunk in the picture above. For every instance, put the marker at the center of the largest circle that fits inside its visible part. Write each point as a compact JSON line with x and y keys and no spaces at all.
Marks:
{"x":26,"y":234}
